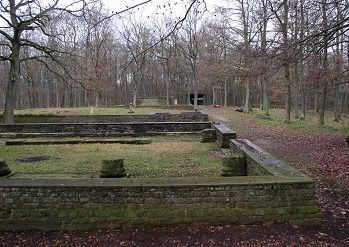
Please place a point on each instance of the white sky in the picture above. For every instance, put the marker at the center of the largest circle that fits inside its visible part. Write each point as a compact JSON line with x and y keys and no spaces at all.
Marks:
{"x":154,"y":9}
{"x":158,"y":7}
{"x":117,"y":5}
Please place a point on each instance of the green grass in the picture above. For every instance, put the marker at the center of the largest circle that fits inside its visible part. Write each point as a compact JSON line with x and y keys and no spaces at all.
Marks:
{"x":93,"y":111}
{"x":310,"y":124}
{"x":165,"y":157}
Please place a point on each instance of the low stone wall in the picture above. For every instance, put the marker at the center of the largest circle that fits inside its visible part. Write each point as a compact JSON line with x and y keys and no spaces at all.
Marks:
{"x":99,"y":129}
{"x":223,"y":135}
{"x":194,"y":116}
{"x":271,"y":193}
{"x":262,"y":163}
{"x":54,"y":204}
{"x":19,"y":142}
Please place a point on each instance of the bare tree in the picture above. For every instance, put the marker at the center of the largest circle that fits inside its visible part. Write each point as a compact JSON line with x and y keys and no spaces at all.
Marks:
{"x":30,"y":16}
{"x":190,"y":45}
{"x":324,"y":63}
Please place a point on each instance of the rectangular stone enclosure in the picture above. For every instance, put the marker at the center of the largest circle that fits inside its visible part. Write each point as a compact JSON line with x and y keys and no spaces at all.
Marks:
{"x":271,"y":192}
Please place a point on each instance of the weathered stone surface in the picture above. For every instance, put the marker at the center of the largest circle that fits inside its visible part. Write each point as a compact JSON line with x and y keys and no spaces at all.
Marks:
{"x":224,"y":135}
{"x":101,"y":129}
{"x":192,"y":116}
{"x":54,"y":204}
{"x":234,"y":166}
{"x":278,"y":194}
{"x":208,"y":135}
{"x":4,"y":170}
{"x":137,"y":141}
{"x":112,"y":167}
{"x":260,"y":162}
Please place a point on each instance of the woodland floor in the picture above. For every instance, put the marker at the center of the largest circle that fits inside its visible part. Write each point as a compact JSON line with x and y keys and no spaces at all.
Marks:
{"x":321,"y":152}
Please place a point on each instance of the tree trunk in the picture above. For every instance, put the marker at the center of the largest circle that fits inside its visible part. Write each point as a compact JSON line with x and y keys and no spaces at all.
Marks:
{"x":225,"y":92}
{"x":246,"y":53}
{"x":324,"y":66}
{"x":287,"y":82}
{"x":339,"y":63}
{"x":296,"y":96}
{"x":10,"y":97}
{"x":323,"y":105}
{"x":134,"y":100}
{"x":97,"y":98}
{"x":346,"y":103}
{"x":264,"y":51}
{"x":260,"y":89}
{"x":288,"y":93}
{"x":213,"y":96}
{"x":316,"y":105}
{"x":247,"y":107}
{"x":265,"y":96}
{"x":195,"y":85}
{"x":168,"y":91}
{"x":301,"y":63}
{"x":338,"y":104}
{"x":188,"y":95}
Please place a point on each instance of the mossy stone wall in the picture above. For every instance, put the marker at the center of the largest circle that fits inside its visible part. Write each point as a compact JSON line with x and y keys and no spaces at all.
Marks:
{"x":155,"y":117}
{"x":78,"y":204}
{"x":100,"y":129}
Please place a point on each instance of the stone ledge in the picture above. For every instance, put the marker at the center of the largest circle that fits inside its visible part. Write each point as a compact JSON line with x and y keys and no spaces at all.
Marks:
{"x":13,"y":135}
{"x":100,"y":129}
{"x":191,"y":116}
{"x":223,"y":135}
{"x":18,"y":142}
{"x":135,"y":182}
{"x":264,"y":159}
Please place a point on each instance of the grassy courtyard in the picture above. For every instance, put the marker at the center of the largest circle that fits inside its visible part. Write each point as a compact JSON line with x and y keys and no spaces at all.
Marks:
{"x":165,"y":157}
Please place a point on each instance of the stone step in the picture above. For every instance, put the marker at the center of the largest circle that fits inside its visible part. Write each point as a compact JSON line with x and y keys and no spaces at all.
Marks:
{"x":138,"y":141}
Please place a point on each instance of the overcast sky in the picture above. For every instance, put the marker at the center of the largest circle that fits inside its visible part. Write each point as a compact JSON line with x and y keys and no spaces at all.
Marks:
{"x":117,"y":5}
{"x":175,"y":8}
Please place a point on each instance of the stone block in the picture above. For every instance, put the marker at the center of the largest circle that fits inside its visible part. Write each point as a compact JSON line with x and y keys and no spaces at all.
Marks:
{"x":4,"y":170}
{"x":234,"y":166}
{"x":112,"y":167}
{"x":224,"y":135}
{"x":208,"y":135}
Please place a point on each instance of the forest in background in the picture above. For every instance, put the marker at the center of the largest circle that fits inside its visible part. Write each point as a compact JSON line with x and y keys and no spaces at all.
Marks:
{"x":292,"y":54}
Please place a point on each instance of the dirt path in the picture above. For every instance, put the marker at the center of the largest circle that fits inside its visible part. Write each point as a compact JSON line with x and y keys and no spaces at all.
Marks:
{"x":319,"y":154}
{"x":217,"y":113}
{"x":323,"y":156}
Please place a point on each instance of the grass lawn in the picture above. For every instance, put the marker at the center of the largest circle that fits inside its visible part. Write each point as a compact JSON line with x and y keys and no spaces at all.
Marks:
{"x":310,"y":124}
{"x":93,"y":111}
{"x":164,"y":157}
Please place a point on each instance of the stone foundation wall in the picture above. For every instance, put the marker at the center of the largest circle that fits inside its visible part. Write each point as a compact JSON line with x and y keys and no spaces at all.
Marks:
{"x":54,"y":204}
{"x":101,"y":129}
{"x":155,"y":117}
{"x":223,"y":135}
